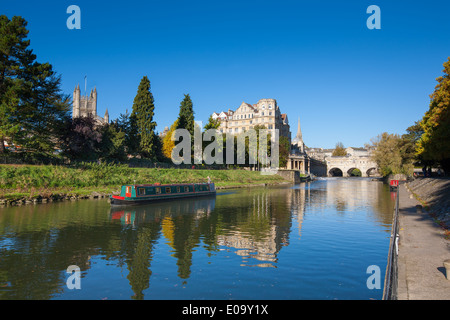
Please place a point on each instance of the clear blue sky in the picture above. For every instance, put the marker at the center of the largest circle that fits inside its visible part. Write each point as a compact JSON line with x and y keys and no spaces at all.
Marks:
{"x":316,"y":58}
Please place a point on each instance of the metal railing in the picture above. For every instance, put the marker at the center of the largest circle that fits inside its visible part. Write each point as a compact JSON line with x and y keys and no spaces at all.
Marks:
{"x":391,"y":278}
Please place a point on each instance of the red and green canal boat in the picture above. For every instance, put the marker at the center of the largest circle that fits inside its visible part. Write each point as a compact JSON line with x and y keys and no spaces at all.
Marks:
{"x":147,"y":193}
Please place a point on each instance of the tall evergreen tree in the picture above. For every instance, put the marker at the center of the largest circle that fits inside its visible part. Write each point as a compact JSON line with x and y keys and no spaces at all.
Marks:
{"x":186,"y":115}
{"x":32,"y":106}
{"x":142,"y":115}
{"x":13,"y":53}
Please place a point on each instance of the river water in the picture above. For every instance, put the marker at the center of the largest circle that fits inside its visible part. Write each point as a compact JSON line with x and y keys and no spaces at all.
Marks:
{"x":313,"y":240}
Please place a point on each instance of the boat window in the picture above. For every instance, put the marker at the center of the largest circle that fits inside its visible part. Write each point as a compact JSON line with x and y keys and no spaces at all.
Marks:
{"x":158,"y":190}
{"x":141,"y":191}
{"x":168,"y":190}
{"x":128,"y":189}
{"x":186,"y":189}
{"x":178,"y":189}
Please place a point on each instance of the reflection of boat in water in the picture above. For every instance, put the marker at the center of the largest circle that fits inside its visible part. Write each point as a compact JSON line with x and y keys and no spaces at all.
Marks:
{"x":147,"y":193}
{"x":158,"y":210}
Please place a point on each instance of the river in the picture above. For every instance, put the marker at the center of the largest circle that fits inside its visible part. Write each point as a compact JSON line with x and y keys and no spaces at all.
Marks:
{"x":315,"y":240}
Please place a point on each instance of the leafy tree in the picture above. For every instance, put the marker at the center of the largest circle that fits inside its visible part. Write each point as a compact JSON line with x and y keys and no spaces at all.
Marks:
{"x":112,"y":147}
{"x":168,"y":143}
{"x":389,"y":157}
{"x":212,"y":123}
{"x":81,"y":139}
{"x":284,"y":150}
{"x":434,"y":143}
{"x":127,"y":125}
{"x":43,"y":112}
{"x":142,"y":115}
{"x":408,"y":144}
{"x":339,"y":151}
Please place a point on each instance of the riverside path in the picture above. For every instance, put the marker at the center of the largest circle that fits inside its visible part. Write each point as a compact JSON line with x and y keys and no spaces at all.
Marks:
{"x":422,"y":251}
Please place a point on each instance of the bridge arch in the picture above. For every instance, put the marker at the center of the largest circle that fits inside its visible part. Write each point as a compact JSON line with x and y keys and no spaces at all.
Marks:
{"x":354,"y":172}
{"x":335,"y":172}
{"x":371,"y":171}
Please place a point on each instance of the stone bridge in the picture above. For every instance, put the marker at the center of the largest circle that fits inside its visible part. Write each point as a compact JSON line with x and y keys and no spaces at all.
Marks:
{"x":343,"y":166}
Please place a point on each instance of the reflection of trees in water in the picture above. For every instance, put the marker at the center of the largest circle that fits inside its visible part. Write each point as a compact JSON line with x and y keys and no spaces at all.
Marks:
{"x":38,"y":243}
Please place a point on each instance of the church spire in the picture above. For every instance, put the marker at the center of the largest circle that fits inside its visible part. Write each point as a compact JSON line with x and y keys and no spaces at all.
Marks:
{"x":299,"y":131}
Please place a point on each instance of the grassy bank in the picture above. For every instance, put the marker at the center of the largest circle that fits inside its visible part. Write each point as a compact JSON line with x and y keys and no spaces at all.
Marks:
{"x":30,"y":182}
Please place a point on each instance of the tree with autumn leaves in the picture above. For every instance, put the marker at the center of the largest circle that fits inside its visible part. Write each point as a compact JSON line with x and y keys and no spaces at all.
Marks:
{"x":433,"y":147}
{"x":426,"y":143}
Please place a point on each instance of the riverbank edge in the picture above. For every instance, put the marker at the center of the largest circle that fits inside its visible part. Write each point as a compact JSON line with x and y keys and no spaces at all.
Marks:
{"x":74,"y":196}
{"x":435,"y":207}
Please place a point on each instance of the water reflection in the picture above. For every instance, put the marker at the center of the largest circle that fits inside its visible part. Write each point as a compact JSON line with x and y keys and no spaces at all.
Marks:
{"x":38,"y":243}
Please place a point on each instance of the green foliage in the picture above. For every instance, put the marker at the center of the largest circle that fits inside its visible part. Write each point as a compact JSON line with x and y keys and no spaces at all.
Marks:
{"x":355,"y":173}
{"x":142,"y":119}
{"x":112,"y":147}
{"x":339,"y":151}
{"x":391,"y":155}
{"x":32,"y":107}
{"x":212,"y":123}
{"x":81,"y":139}
{"x":186,"y":115}
{"x":284,"y":150}
{"x":434,"y":143}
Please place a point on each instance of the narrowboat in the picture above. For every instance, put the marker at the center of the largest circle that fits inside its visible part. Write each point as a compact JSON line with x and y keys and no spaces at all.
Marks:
{"x":147,"y":193}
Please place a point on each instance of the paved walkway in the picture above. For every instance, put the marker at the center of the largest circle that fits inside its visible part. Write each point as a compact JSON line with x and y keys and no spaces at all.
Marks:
{"x":422,"y":251}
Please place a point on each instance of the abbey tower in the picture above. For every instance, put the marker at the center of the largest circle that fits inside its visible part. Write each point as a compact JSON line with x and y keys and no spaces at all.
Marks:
{"x":86,"y":106}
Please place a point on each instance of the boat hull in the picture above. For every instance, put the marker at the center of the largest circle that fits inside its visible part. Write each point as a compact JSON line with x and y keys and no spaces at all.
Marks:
{"x":123,"y":201}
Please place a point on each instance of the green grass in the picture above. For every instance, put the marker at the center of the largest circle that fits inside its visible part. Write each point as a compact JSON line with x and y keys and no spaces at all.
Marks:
{"x":31,"y":181}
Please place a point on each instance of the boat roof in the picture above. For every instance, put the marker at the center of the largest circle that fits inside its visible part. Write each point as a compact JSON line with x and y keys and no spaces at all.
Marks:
{"x":164,"y":185}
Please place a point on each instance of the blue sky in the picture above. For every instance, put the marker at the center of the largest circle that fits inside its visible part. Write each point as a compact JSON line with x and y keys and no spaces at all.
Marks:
{"x":316,"y":58}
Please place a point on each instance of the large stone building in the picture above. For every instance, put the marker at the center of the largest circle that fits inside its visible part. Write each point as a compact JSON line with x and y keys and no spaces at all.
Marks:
{"x":86,"y":106}
{"x":265,"y":112}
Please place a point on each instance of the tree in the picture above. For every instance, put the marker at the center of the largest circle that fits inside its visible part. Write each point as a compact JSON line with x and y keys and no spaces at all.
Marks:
{"x":32,"y":107}
{"x":112,"y":147}
{"x":81,"y":140}
{"x":43,"y":111}
{"x":434,"y":143}
{"x":127,"y":125}
{"x":284,"y":150}
{"x":389,"y":157}
{"x":339,"y":151}
{"x":186,"y":115}
{"x":168,"y":143}
{"x":212,"y":123}
{"x":142,"y":115}
{"x":13,"y":53}
{"x":186,"y":119}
